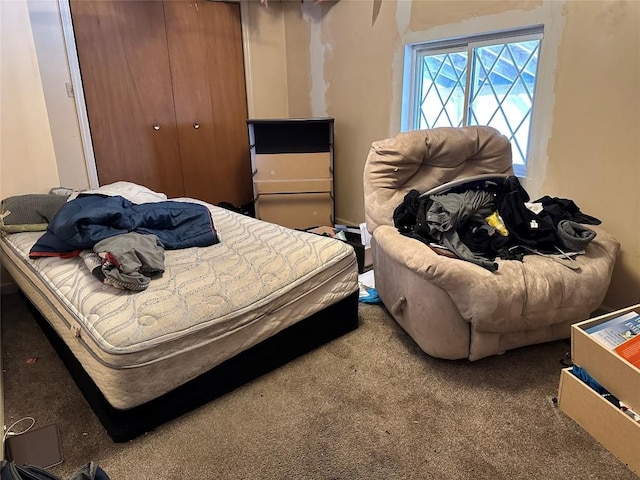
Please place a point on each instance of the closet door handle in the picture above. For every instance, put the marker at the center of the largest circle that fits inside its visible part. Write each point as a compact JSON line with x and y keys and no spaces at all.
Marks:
{"x":196,"y":126}
{"x":156,"y":126}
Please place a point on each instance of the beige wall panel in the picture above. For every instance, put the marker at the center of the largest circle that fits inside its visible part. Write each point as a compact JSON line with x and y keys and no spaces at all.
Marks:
{"x":358,"y":78}
{"x":594,"y":150}
{"x":27,"y":157}
{"x":266,"y":71}
{"x":426,"y":14}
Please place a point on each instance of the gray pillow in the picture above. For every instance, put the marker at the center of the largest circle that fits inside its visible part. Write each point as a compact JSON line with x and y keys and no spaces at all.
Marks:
{"x":31,"y":212}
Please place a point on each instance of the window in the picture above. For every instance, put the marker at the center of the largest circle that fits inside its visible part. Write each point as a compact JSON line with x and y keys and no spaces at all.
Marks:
{"x":486,"y":79}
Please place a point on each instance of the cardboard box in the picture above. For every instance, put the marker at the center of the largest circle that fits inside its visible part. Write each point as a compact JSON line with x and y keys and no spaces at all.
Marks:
{"x":616,"y":431}
{"x":614,"y":373}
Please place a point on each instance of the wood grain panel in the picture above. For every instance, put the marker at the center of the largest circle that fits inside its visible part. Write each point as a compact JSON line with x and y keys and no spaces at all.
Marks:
{"x":127,"y":82}
{"x":205,"y":51}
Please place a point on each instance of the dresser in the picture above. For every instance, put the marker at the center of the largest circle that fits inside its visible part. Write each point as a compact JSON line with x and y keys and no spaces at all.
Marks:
{"x":292,"y":170}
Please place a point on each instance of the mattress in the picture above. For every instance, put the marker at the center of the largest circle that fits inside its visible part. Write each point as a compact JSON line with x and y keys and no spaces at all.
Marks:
{"x":209,"y":305}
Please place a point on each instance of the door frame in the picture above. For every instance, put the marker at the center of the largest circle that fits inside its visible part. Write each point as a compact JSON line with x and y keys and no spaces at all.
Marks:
{"x":78,"y":88}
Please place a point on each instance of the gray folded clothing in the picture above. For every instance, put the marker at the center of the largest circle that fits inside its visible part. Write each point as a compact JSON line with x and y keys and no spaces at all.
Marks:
{"x":130,"y":259}
{"x":573,"y":235}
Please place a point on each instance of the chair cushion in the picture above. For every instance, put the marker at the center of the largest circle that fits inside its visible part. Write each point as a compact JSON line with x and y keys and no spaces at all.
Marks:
{"x":521,"y":295}
{"x":424,"y":159}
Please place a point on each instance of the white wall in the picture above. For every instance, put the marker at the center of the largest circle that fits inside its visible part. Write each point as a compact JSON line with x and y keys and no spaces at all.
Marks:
{"x":27,"y":157}
{"x":48,"y":39}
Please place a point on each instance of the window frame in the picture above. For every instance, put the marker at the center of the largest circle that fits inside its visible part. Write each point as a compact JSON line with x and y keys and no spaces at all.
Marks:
{"x":412,"y":79}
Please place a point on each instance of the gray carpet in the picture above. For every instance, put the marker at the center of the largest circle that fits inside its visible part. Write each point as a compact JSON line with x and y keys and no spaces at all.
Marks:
{"x":369,"y":405}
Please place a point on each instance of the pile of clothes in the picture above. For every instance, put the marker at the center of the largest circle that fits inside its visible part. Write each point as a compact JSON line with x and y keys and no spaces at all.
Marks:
{"x":484,"y":219}
{"x":121,"y":232}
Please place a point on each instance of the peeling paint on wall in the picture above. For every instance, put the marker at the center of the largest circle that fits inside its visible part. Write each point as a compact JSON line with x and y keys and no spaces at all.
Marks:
{"x":594,"y":149}
{"x":403,"y":20}
{"x":376,"y":11}
{"x":505,"y":15}
{"x":312,"y":14}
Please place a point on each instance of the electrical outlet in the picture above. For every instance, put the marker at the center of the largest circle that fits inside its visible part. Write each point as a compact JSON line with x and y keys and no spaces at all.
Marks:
{"x":69,"y":87}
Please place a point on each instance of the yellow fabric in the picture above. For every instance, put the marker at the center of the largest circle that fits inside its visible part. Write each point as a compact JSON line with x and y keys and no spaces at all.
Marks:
{"x":495,"y":220}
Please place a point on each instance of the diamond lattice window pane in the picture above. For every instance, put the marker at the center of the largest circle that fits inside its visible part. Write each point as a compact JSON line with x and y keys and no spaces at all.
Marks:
{"x":501,"y":91}
{"x":442,"y":90}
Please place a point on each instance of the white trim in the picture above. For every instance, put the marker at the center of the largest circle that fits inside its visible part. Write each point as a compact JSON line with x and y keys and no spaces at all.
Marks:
{"x":418,"y":53}
{"x":467,"y":86}
{"x":78,"y":93}
{"x":415,"y":52}
{"x":407,"y":99}
{"x":523,"y":171}
{"x":425,"y":50}
{"x":506,"y":40}
{"x":489,"y":38}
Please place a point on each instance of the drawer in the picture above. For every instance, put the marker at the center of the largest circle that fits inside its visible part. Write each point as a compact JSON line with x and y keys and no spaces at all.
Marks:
{"x":292,"y":166}
{"x":292,"y":186}
{"x":615,"y":430}
{"x":614,"y":373}
{"x":299,"y":210}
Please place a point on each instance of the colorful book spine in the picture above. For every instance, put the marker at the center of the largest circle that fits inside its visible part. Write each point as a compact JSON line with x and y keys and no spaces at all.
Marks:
{"x":630,"y":350}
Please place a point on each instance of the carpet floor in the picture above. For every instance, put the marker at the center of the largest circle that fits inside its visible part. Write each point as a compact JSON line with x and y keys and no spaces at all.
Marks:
{"x":368,"y":405}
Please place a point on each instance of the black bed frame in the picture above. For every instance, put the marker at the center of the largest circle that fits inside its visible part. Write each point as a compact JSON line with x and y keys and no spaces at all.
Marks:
{"x":301,"y":337}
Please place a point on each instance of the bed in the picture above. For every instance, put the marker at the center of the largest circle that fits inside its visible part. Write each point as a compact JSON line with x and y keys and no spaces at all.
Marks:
{"x":218,"y":316}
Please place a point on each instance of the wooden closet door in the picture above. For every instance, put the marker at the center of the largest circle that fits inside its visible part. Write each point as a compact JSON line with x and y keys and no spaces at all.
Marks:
{"x":207,"y":66}
{"x":124,"y":64}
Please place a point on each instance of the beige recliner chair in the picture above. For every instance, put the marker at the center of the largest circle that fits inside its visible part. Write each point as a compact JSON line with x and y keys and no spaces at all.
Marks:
{"x":453,"y":308}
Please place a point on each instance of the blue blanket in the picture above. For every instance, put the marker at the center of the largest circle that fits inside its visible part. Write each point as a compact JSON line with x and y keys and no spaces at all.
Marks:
{"x":83,"y":222}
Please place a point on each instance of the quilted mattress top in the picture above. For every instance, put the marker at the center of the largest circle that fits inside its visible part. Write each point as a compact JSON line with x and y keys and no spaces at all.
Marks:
{"x":253,"y":271}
